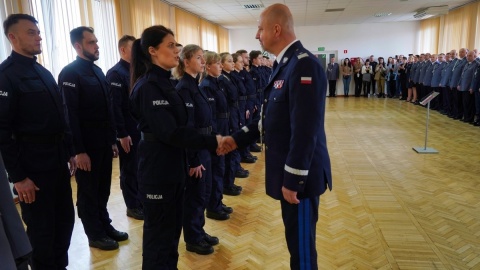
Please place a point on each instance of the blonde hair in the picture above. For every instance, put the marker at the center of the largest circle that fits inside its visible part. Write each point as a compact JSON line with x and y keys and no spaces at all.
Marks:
{"x":186,"y":54}
{"x":210,"y":58}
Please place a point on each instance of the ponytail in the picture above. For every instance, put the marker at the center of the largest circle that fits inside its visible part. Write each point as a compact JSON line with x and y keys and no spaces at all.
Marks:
{"x":139,"y":63}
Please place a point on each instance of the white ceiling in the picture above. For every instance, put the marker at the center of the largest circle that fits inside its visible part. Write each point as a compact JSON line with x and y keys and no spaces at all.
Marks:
{"x":232,"y":15}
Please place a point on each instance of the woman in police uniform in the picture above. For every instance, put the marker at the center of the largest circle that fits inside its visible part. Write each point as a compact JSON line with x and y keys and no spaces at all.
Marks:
{"x":162,"y":118}
{"x":199,"y":183}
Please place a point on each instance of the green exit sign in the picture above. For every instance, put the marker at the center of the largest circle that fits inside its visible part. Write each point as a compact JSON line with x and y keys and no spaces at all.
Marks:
{"x":321,"y":49}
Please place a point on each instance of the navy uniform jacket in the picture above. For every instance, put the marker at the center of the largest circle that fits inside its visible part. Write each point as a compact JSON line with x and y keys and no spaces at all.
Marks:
{"x":446,"y":74}
{"x":427,"y":78}
{"x":198,"y":108}
{"x":212,"y":88}
{"x":296,"y":152}
{"x":251,"y":90}
{"x":259,"y":81}
{"x":159,"y":110}
{"x":236,"y":79}
{"x":31,"y":108}
{"x":476,"y":78}
{"x":437,"y":73}
{"x":89,"y":105}
{"x":467,"y":81}
{"x":457,"y":72}
{"x":118,"y":78}
{"x":232,"y":100}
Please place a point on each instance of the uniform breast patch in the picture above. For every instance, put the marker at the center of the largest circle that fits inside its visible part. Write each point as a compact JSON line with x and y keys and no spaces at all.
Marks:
{"x":278,"y":84}
{"x":3,"y":94}
{"x":160,"y":103}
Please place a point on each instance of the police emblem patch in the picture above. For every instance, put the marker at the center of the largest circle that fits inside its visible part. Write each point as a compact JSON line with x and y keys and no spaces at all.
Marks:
{"x":278,"y":84}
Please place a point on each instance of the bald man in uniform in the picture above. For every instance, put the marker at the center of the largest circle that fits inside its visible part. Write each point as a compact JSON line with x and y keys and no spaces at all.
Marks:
{"x":297,"y":165}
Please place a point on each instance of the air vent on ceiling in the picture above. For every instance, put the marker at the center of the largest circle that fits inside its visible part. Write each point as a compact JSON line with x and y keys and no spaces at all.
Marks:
{"x":253,"y":6}
{"x":431,"y":12}
{"x":334,"y":9}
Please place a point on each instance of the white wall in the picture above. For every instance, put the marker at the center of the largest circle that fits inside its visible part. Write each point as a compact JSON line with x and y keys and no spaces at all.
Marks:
{"x":361,"y":40}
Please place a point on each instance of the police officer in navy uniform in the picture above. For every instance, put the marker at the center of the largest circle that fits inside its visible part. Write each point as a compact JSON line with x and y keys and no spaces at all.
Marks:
{"x":91,"y":118}
{"x":232,"y":159}
{"x":162,"y":118}
{"x":457,"y":70}
{"x":445,"y":89}
{"x":36,"y":145}
{"x":214,"y":90}
{"x":128,"y":136}
{"x":297,"y":165}
{"x":198,"y":186}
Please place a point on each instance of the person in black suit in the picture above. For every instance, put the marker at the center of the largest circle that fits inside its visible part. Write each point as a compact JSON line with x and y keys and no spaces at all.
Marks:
{"x":36,"y":145}
{"x":293,"y":115}
{"x":91,"y":117}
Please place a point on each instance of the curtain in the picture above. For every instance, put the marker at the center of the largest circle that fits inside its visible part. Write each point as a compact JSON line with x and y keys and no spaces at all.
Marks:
{"x":428,"y":35}
{"x":458,"y":29}
{"x":7,"y":7}
{"x":104,"y":22}
{"x":135,"y":16}
{"x":223,"y":39}
{"x":209,"y":35}
{"x":187,"y":25}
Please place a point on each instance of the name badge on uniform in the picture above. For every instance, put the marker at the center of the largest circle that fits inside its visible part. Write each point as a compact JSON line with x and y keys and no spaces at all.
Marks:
{"x":278,"y":84}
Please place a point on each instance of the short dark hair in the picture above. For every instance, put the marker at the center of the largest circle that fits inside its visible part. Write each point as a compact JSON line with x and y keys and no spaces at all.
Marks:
{"x":14,"y":18}
{"x":124,"y":40}
{"x":76,"y":35}
{"x":254,"y":54}
{"x":242,"y":51}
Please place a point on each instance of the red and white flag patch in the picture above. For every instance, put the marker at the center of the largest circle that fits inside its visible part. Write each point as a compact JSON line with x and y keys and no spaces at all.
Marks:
{"x":306,"y":80}
{"x":278,"y":84}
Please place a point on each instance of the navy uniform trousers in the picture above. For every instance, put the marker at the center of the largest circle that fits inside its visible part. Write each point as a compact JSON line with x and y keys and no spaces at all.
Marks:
{"x":214,"y":202}
{"x":197,"y":194}
{"x":128,"y":174}
{"x":300,"y":230}
{"x":93,"y":193}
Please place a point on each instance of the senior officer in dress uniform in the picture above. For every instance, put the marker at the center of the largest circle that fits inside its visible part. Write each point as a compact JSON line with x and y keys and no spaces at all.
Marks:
{"x":36,"y":145}
{"x":91,"y":118}
{"x":297,"y":166}
{"x":128,"y":136}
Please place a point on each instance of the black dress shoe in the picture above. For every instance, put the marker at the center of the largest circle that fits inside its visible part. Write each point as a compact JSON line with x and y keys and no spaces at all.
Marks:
{"x":239,"y":188}
{"x":252,"y":156}
{"x":255,"y":148}
{"x":105,"y":243}
{"x":211,"y":240}
{"x":227,"y":209}
{"x":241,"y":174}
{"x":202,"y":248}
{"x":117,"y":235}
{"x":248,"y":160}
{"x":477,"y":123}
{"x":231,"y":191}
{"x":136,"y":213}
{"x":218,"y":215}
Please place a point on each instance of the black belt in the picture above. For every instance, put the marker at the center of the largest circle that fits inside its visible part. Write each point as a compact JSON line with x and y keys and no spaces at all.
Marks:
{"x":234,"y":104}
{"x":254,"y":96}
{"x":242,"y":98}
{"x":149,"y":137}
{"x":46,"y":139}
{"x":223,"y":115}
{"x":95,"y":124}
{"x":205,"y":130}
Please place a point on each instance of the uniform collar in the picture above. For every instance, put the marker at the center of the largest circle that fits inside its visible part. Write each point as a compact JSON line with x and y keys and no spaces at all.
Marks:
{"x":160,"y":72}
{"x":280,"y":55}
{"x":124,"y":64}
{"x":23,"y":59}
{"x":84,"y":62}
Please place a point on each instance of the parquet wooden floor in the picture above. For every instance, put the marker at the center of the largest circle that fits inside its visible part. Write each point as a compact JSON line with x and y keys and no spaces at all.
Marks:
{"x":390,"y":207}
